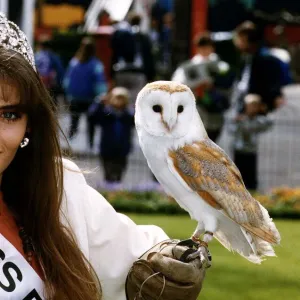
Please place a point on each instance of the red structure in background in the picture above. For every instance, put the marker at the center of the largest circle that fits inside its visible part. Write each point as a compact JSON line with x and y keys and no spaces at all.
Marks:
{"x":103,"y":49}
{"x":41,"y":33}
{"x":199,"y":11}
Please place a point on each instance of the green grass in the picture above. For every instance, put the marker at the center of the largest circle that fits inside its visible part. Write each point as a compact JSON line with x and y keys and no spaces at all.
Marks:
{"x":232,"y":277}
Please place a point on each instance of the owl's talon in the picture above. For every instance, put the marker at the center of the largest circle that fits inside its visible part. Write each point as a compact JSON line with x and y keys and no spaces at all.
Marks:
{"x":204,"y":256}
{"x":193,"y":256}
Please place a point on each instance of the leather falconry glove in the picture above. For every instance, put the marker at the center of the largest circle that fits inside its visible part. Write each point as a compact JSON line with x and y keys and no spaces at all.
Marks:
{"x":165,"y":273}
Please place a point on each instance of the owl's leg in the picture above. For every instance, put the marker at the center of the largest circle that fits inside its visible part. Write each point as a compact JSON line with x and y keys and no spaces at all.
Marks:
{"x":208,"y":228}
{"x":211,"y":226}
{"x":203,"y":253}
{"x":208,"y":236}
{"x":198,"y":232}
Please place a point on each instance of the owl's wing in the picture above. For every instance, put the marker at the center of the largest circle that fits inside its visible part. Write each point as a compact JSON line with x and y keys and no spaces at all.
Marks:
{"x":207,"y":170}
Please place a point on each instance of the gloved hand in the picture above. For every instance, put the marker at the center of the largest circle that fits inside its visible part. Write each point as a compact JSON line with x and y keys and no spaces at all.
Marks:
{"x":163,"y":273}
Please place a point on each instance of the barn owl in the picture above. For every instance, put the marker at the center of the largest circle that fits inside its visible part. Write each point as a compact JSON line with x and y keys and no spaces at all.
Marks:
{"x":198,"y":174}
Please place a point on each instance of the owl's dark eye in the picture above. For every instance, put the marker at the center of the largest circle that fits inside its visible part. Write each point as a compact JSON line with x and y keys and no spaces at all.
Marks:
{"x":180,"y":109}
{"x":157,"y":108}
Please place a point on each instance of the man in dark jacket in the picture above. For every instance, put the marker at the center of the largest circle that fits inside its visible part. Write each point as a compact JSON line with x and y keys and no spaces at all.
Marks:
{"x":260,"y":73}
{"x":132,"y":64}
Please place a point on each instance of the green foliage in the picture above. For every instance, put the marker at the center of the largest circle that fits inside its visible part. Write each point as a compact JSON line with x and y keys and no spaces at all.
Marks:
{"x":281,"y":202}
{"x":143,"y":202}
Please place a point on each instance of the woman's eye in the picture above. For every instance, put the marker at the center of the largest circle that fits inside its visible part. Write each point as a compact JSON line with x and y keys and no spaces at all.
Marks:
{"x":157,"y":108}
{"x":10,"y":116}
{"x":180,"y":109}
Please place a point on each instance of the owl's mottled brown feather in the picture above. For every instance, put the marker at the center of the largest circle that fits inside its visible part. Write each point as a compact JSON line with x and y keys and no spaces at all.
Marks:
{"x":208,"y":171}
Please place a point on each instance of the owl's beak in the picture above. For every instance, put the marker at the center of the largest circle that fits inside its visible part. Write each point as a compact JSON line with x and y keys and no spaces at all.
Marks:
{"x":172,"y":123}
{"x":169,"y":125}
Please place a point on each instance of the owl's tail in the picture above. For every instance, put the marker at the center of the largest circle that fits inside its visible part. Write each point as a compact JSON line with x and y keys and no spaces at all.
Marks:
{"x":238,"y":239}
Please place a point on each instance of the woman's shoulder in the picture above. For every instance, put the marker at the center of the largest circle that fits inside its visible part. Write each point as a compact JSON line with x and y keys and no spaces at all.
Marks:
{"x":73,"y":212}
{"x":74,"y":191}
{"x":71,"y":172}
{"x":69,"y":164}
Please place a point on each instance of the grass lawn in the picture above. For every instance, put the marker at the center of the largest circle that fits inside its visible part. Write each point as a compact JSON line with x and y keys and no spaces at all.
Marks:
{"x":232,"y":277}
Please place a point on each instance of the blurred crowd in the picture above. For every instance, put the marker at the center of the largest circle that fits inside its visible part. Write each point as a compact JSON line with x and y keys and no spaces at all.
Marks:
{"x":251,"y":93}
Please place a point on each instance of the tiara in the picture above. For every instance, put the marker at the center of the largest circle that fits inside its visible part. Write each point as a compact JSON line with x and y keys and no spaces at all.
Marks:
{"x":12,"y":38}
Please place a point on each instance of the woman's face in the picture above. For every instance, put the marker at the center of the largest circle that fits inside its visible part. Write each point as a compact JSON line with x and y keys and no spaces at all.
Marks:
{"x":13,"y":124}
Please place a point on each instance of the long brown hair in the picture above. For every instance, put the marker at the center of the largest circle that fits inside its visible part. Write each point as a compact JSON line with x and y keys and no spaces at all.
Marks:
{"x":32,"y":186}
{"x":87,"y":50}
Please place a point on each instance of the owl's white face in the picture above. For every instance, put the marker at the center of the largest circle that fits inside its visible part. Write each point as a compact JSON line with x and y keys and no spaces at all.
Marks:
{"x":165,"y":114}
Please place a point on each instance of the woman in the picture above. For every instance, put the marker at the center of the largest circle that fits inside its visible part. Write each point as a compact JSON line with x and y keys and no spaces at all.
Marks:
{"x":59,"y":239}
{"x":84,"y":80}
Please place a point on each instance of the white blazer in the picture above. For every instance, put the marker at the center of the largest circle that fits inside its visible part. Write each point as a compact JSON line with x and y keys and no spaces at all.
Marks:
{"x":109,"y":240}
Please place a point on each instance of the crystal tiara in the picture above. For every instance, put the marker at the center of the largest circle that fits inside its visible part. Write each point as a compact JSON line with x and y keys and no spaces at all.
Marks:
{"x":12,"y":38}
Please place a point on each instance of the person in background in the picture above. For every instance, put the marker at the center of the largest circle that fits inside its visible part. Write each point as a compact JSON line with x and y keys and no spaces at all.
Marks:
{"x":50,"y":68}
{"x":246,"y":129}
{"x":132,"y":63}
{"x":212,"y":96}
{"x":260,"y":73}
{"x":84,"y":80}
{"x":117,"y":124}
{"x":278,"y":48}
{"x":207,"y":78}
{"x":158,"y":10}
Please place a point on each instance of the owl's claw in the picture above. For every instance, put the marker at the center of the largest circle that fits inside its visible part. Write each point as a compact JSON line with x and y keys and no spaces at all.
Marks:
{"x":203,"y":254}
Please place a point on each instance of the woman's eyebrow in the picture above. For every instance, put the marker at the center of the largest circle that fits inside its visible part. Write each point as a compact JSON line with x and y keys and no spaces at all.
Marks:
{"x":11,"y":106}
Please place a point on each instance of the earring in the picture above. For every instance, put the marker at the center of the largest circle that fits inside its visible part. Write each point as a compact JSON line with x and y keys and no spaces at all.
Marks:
{"x":24,"y":143}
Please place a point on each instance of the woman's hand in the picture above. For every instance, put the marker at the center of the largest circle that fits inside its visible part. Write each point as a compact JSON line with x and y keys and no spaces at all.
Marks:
{"x":163,"y":272}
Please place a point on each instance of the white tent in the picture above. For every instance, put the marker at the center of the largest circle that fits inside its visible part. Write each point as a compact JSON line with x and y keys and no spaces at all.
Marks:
{"x":117,"y":10}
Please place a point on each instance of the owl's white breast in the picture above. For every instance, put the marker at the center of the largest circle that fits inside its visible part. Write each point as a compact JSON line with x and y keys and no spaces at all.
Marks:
{"x":156,"y":151}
